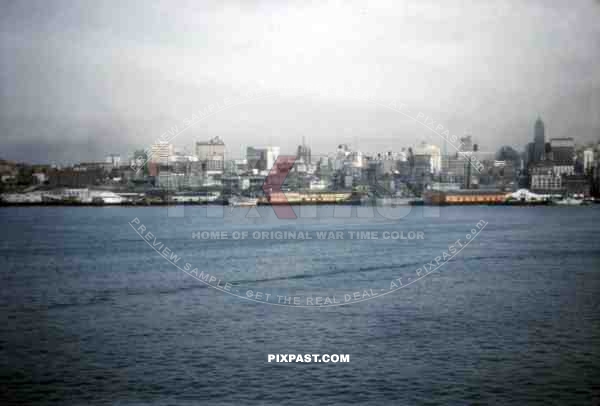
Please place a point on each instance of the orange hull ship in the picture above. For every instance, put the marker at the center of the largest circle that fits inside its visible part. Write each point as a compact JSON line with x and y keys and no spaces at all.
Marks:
{"x":461,"y":197}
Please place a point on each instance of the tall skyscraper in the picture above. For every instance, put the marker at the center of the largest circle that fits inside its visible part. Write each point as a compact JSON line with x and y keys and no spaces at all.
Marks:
{"x":529,"y":152}
{"x":304,"y":152}
{"x":588,"y":160}
{"x":539,"y":144}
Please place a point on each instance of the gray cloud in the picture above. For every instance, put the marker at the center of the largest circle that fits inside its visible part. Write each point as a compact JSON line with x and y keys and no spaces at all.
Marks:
{"x":82,"y":79}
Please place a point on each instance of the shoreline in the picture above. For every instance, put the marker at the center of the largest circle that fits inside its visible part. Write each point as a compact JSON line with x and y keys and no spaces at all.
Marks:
{"x":265,"y":204}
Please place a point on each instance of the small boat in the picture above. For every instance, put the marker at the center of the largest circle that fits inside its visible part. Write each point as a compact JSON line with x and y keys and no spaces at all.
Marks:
{"x":393,"y":201}
{"x":569,"y":201}
{"x":242,"y":201}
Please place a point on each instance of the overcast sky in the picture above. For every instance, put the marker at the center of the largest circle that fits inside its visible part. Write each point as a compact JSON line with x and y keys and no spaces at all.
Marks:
{"x":81,"y":79}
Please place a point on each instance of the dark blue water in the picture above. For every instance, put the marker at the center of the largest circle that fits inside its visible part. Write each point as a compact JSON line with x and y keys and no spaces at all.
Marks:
{"x":91,"y":314}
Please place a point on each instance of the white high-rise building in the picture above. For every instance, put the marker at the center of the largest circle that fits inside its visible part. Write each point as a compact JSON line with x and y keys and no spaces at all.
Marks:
{"x":588,"y":159}
{"x":212,"y":155}
{"x":211,"y":149}
{"x":272,"y":153}
{"x":434,"y":153}
{"x":161,"y":152}
{"x":402,"y":155}
{"x":263,"y":158}
{"x":114,"y":160}
{"x":357,"y":159}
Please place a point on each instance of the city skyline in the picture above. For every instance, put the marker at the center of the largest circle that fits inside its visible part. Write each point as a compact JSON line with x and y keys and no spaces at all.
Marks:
{"x":176,"y":149}
{"x":191,"y":150}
